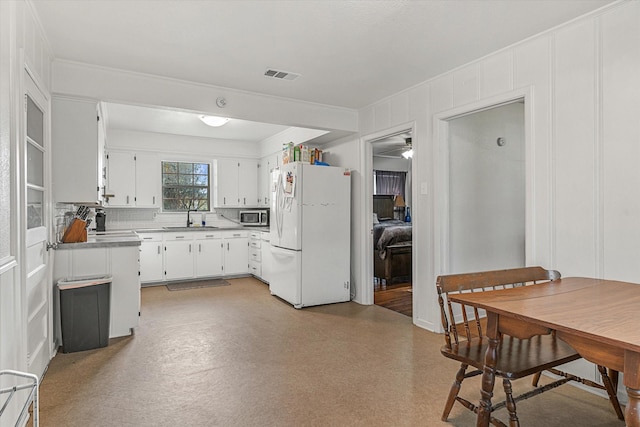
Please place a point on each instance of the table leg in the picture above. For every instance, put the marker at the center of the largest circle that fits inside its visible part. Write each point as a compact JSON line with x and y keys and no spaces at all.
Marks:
{"x":488,"y":375}
{"x":632,"y":382}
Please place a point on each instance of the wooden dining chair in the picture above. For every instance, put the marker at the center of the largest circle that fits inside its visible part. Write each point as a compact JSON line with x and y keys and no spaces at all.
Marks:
{"x":466,"y":342}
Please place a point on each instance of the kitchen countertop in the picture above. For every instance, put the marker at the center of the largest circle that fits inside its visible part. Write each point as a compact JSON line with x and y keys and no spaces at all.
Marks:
{"x":107,"y":239}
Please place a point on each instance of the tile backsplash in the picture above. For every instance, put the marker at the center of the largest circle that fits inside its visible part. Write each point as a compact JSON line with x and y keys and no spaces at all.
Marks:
{"x":132,"y":218}
{"x":138,"y":218}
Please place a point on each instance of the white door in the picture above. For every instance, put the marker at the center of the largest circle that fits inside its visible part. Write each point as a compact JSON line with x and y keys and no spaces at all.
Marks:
{"x":151,"y":261}
{"x":178,"y":260}
{"x":148,"y":177}
{"x":226,"y":183}
{"x":236,"y":256}
{"x":208,"y":257}
{"x":247,"y":182}
{"x":36,"y":220}
{"x":121,"y":179}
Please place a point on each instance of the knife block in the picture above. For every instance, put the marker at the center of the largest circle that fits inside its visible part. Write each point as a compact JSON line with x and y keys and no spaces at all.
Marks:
{"x":76,"y":233}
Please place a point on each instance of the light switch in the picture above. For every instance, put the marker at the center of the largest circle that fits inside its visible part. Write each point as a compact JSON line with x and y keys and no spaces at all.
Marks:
{"x":424,"y":188}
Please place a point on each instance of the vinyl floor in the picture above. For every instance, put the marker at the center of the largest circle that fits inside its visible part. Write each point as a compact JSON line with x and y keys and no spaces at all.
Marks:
{"x":238,"y":356}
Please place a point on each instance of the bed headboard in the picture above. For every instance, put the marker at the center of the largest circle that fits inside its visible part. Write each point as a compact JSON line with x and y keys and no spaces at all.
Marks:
{"x":383,"y":205}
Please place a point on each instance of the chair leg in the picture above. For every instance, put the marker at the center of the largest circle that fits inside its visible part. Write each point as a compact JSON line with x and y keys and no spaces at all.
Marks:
{"x":453,"y":393}
{"x":536,"y":378}
{"x":611,"y":389}
{"x":511,"y":404}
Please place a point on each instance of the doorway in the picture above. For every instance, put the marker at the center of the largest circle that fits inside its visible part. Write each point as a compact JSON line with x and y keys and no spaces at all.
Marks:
{"x":391,"y":201}
{"x":487,"y":189}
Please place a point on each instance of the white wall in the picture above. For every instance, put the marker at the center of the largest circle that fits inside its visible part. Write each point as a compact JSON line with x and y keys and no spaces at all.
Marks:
{"x":182,"y":145}
{"x":389,"y":164}
{"x":487,"y":190}
{"x":583,"y":136}
{"x":273,"y":144}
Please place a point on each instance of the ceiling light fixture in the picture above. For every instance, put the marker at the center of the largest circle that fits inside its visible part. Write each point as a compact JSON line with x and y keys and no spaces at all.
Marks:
{"x":213,"y":120}
{"x":408,"y":154}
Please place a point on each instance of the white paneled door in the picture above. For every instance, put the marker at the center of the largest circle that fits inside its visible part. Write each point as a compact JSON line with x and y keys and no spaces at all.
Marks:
{"x":36,"y":223}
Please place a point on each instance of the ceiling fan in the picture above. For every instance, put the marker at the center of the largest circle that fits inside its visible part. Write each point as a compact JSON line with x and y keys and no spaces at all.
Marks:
{"x":408,"y":153}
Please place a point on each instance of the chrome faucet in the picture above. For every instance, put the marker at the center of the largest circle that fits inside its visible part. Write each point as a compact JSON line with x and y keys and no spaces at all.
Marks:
{"x":189,"y":221}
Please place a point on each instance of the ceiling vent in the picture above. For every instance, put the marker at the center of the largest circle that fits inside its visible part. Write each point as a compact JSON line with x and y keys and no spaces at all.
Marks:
{"x":280,"y":75}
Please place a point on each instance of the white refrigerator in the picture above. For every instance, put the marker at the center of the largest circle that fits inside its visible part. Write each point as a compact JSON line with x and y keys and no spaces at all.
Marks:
{"x":310,"y":224}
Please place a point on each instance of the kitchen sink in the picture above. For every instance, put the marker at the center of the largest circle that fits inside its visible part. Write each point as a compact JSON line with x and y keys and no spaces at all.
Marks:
{"x":183,"y":228}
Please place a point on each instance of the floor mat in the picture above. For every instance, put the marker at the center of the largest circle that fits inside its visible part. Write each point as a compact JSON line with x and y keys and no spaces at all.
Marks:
{"x":197,"y":284}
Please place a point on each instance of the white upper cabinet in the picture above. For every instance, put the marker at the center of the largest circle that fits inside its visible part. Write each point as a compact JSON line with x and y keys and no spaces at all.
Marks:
{"x":248,"y":183}
{"x":77,"y":150}
{"x":121,"y":178}
{"x":235,"y":183}
{"x":267,"y":164}
{"x":147,"y":180}
{"x":226,"y":183}
{"x":133,"y":179}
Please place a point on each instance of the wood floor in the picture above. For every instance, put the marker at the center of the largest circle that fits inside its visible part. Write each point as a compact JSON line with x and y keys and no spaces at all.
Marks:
{"x":397,"y":297}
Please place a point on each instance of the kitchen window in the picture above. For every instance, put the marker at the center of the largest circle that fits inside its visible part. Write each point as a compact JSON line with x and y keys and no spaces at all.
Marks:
{"x":185,"y":186}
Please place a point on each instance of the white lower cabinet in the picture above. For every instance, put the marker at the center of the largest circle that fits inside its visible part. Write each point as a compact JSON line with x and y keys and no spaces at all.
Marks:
{"x":265,"y":259}
{"x":255,"y":254}
{"x":122,"y":263}
{"x":178,"y":256}
{"x":125,"y":290}
{"x":192,"y":255}
{"x":236,"y":256}
{"x":209,"y":255}
{"x":151,"y":254}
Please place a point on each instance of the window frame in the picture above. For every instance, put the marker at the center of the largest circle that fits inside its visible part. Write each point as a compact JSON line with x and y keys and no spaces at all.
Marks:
{"x":189,"y":187}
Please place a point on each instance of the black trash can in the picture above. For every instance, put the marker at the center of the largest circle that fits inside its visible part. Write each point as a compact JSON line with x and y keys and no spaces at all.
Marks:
{"x":84,"y":312}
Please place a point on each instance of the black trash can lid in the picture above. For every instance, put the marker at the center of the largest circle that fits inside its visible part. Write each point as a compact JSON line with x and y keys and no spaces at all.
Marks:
{"x":81,"y":282}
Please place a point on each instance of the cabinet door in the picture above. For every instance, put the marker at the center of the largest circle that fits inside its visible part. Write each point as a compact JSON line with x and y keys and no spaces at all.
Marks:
{"x":178,"y":260}
{"x":266,"y":261}
{"x":125,"y":290}
{"x":226,"y":183}
{"x":151,"y":262}
{"x":236,"y":255}
{"x":75,"y":154}
{"x":263,"y":182}
{"x":147,"y":180}
{"x":121,"y":173}
{"x":248,"y":183}
{"x":208,"y":257}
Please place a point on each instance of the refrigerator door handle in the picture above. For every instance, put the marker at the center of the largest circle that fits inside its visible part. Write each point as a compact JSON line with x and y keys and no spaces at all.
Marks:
{"x":279,"y":203}
{"x":281,"y":253}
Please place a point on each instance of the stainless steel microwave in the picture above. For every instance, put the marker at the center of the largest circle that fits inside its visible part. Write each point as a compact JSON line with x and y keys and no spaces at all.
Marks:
{"x":254,"y":217}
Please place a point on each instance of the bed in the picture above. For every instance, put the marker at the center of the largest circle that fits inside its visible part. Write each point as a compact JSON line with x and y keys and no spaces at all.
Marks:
{"x":392,"y":243}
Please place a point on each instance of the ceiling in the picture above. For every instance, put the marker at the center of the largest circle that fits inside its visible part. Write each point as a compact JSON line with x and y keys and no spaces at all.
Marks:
{"x":147,"y":119}
{"x":349,"y":53}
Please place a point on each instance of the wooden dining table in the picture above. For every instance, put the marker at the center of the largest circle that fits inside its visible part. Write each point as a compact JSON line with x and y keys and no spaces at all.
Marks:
{"x":599,"y":318}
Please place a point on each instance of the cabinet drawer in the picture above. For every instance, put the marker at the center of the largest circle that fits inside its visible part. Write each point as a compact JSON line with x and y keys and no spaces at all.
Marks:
{"x":177,"y":236}
{"x":208,"y":235}
{"x":151,"y":237}
{"x":254,"y":243}
{"x":232,"y":234}
{"x":255,"y":268}
{"x":254,"y":235}
{"x":255,"y":254}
